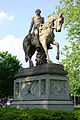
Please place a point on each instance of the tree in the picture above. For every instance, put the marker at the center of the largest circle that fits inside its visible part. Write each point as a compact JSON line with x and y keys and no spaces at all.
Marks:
{"x":71,"y":12}
{"x":9,"y":66}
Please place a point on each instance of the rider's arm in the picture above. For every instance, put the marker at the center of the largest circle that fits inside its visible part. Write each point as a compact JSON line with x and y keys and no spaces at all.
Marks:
{"x":42,"y":20}
{"x":31,"y":26}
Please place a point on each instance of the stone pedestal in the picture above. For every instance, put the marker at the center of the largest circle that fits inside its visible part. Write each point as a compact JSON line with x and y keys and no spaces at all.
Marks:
{"x":42,"y":86}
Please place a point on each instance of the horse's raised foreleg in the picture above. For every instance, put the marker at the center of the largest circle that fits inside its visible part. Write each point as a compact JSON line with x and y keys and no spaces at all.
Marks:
{"x":57,"y":45}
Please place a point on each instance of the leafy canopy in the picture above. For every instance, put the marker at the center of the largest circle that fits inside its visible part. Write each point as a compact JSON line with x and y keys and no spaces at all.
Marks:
{"x":71,"y":12}
{"x":9,"y":66}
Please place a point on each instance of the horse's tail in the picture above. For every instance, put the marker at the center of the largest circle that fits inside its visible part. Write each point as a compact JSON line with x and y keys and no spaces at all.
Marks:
{"x":26,"y":41}
{"x":26,"y":47}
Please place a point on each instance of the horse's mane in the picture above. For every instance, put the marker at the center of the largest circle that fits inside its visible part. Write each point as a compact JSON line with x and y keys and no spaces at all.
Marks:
{"x":49,"y":20}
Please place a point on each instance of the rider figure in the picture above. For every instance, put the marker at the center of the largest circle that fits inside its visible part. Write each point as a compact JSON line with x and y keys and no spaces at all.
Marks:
{"x":35,"y":24}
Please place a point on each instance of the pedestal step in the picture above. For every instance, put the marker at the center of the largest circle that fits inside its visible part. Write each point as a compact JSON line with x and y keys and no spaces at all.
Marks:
{"x":45,"y":104}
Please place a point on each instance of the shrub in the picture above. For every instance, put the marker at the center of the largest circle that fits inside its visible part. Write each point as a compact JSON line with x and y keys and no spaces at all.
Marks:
{"x":38,"y":114}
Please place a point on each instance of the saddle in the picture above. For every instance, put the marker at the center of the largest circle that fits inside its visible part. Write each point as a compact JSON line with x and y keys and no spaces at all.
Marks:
{"x":31,"y":40}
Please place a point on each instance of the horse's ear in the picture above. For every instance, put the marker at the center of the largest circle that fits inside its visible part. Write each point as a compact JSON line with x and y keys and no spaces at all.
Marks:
{"x":62,"y":19}
{"x":61,"y":14}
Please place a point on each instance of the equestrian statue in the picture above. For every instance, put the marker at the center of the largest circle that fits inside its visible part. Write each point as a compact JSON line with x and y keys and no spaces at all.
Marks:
{"x":41,"y":38}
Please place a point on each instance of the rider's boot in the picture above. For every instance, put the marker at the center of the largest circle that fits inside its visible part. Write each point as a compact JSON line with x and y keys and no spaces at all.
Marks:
{"x":57,"y":57}
{"x":37,"y":42}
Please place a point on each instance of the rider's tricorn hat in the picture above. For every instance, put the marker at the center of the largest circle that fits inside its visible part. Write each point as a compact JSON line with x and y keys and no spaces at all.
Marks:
{"x":38,"y":10}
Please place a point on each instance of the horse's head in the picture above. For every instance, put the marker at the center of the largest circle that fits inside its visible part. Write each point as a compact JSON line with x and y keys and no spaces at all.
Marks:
{"x":58,"y":23}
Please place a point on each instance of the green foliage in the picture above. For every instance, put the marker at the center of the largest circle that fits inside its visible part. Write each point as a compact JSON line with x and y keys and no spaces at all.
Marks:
{"x":9,"y":66}
{"x":71,"y":12}
{"x":36,"y":114}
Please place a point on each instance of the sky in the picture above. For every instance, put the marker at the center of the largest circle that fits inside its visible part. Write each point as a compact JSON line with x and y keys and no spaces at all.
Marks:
{"x":15,"y":19}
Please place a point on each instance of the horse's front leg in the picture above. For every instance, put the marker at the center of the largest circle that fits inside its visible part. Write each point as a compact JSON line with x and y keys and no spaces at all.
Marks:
{"x":44,"y":45}
{"x":57,"y":45}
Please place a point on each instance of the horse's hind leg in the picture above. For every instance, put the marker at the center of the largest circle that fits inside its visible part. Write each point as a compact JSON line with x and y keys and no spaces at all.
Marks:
{"x":44,"y":45}
{"x":31,"y":63}
{"x":28,"y":58}
{"x":57,"y":45}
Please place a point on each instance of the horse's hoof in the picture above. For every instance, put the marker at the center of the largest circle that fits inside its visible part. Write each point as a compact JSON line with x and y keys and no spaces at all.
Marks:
{"x":26,"y":59}
{"x":49,"y":61}
{"x":57,"y":57}
{"x":31,"y":64}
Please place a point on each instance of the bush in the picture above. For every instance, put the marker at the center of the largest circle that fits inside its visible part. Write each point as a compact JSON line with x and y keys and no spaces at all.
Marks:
{"x":38,"y":114}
